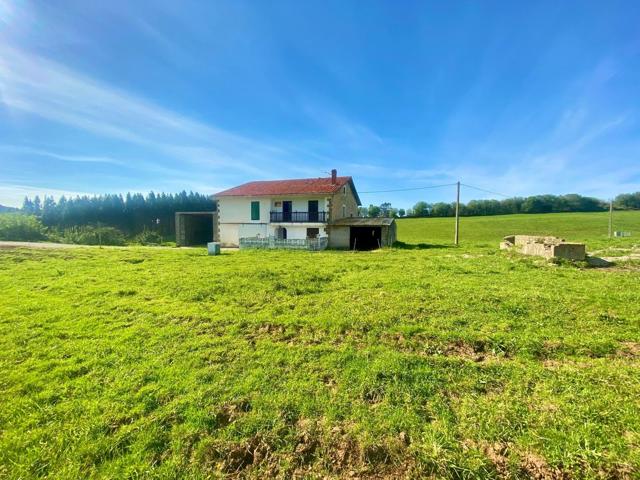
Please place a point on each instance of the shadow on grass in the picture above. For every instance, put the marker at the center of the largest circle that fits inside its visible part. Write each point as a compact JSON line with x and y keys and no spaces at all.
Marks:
{"x":419,"y":246}
{"x":597,"y":262}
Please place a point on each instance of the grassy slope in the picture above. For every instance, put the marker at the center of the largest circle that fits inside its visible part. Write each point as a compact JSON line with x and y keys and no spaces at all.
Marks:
{"x":580,"y":227}
{"x":443,"y":361}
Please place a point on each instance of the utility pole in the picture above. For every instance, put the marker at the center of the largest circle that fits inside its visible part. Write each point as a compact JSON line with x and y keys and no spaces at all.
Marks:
{"x":610,"y":218}
{"x":457,"y":212}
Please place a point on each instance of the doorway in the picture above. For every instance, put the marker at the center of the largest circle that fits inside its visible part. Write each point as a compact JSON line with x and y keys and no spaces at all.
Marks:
{"x":281,"y":233}
{"x":313,"y":210}
{"x":365,"y":238}
{"x":286,"y":210}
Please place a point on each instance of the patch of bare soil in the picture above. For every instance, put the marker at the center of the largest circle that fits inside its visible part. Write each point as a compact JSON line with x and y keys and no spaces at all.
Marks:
{"x":629,"y":350}
{"x":552,"y":364}
{"x":319,"y":451}
{"x":229,"y":412}
{"x":529,"y":465}
{"x":537,"y":468}
{"x":497,"y":453}
{"x":335,"y":451}
{"x":234,"y":458}
{"x":240,"y":456}
{"x":466,"y":351}
{"x":459,"y":349}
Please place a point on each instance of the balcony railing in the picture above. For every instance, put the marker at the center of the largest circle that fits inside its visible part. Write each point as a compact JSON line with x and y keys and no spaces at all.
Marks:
{"x":299,"y":217}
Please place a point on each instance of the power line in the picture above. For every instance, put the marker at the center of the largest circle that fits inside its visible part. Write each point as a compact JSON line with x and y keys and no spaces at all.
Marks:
{"x":410,"y":189}
{"x":486,"y":191}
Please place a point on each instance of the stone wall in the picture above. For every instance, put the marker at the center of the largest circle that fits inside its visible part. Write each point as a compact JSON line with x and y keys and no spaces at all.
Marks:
{"x":344,"y":197}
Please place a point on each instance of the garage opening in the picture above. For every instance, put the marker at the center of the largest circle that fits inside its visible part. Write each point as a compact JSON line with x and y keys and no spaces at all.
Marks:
{"x":195,"y":228}
{"x":365,"y":238}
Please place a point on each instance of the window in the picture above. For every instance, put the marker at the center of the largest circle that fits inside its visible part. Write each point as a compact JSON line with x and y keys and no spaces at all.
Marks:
{"x":313,"y":232}
{"x":344,"y":211}
{"x":344,"y":190}
{"x":255,"y":210}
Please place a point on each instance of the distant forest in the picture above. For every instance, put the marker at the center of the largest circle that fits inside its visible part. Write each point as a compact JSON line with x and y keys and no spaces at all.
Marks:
{"x":135,"y":213}
{"x":534,"y":204}
{"x":131,"y":214}
{"x":4,"y":209}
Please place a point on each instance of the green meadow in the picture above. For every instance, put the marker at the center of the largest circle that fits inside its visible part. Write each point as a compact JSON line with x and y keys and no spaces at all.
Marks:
{"x":422,"y":361}
{"x":591,"y":228}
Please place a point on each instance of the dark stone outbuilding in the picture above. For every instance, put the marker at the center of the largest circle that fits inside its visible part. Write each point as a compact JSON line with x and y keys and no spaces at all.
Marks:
{"x":196,"y":228}
{"x":356,"y":233}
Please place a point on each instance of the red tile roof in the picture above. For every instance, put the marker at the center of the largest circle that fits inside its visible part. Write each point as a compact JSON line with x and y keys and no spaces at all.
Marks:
{"x":288,"y":187}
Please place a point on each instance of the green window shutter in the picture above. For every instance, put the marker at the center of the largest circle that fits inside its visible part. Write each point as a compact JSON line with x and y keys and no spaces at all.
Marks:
{"x":255,"y":210}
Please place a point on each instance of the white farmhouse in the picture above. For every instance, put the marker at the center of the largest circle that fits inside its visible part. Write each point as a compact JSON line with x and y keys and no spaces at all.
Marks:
{"x":284,"y":209}
{"x":298,"y":209}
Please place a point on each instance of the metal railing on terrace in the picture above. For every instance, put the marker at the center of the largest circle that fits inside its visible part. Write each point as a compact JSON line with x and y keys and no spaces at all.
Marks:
{"x":313,"y":244}
{"x":299,"y":217}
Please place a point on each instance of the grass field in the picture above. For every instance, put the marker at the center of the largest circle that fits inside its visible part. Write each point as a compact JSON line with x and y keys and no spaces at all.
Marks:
{"x":580,"y":227}
{"x":420,"y":361}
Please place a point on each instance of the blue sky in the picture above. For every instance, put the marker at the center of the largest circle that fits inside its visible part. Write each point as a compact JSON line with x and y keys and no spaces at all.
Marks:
{"x":516,"y":97}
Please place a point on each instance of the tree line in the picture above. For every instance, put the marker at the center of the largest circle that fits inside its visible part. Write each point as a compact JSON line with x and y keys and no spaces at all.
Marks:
{"x":533,"y":204}
{"x":132,"y":213}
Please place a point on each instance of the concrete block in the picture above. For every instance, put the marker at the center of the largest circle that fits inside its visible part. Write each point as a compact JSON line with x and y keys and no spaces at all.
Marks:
{"x":506,"y":245}
{"x":546,"y":247}
{"x":213,"y":248}
{"x":570,"y":251}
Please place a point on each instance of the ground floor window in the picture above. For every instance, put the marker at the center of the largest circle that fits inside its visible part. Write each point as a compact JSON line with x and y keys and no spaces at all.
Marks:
{"x":313,"y":232}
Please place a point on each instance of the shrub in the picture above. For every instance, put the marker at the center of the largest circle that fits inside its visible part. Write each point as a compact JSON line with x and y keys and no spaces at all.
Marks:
{"x":148,"y":237}
{"x":18,"y":227}
{"x":93,"y":235}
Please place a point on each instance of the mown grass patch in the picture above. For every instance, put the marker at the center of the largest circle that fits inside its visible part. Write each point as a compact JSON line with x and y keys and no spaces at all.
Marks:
{"x":450,"y":362}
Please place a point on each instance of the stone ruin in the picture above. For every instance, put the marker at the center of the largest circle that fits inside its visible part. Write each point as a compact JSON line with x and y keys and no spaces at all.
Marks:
{"x":547,"y":247}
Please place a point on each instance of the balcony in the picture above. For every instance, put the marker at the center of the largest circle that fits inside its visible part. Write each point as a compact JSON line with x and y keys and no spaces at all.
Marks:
{"x":299,"y":217}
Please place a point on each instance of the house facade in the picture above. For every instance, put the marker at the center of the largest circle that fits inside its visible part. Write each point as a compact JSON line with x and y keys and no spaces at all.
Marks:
{"x":285,"y":209}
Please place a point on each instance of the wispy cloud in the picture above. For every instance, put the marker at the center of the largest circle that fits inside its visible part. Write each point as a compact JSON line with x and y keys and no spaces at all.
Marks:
{"x":351,"y":133}
{"x":22,"y":150}
{"x":565,"y":161}
{"x":508,"y":125}
{"x":7,"y":11}
{"x":13,"y":195}
{"x":49,"y":90}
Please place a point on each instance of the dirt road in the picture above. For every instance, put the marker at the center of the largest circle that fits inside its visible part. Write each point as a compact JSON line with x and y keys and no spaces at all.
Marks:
{"x":5,"y":244}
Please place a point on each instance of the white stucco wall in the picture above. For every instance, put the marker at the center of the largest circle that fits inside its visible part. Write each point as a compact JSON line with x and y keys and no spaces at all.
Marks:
{"x":229,"y":234}
{"x":234,"y":218}
{"x":238,"y":209}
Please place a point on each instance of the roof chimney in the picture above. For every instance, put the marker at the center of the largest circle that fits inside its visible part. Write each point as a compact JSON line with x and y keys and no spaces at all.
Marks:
{"x":334,"y":176}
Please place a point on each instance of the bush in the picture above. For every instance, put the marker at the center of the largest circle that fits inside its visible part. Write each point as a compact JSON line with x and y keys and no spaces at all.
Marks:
{"x":18,"y":227}
{"x":93,"y":235}
{"x":148,"y":237}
